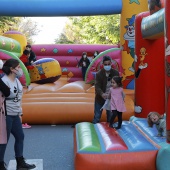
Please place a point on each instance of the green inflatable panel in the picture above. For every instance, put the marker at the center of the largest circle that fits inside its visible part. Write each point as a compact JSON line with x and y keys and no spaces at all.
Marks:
{"x":11,"y":45}
{"x":163,"y":157}
{"x":27,"y":77}
{"x":89,"y":78}
{"x":87,"y":138}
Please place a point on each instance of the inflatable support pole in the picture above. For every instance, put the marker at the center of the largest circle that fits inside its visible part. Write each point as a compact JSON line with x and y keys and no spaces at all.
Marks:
{"x":167,"y":66}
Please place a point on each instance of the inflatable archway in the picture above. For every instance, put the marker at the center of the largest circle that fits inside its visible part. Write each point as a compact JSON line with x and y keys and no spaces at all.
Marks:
{"x":27,"y":77}
{"x":59,"y":8}
{"x":10,"y":48}
{"x":93,"y":67}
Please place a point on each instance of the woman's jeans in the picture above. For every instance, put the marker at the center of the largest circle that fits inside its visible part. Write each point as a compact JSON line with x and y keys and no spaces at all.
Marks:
{"x":14,"y":126}
{"x":98,"y":112}
{"x":84,"y":69}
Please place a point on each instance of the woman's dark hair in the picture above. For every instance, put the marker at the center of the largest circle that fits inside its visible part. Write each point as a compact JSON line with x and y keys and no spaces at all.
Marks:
{"x":8,"y":64}
{"x":118,"y":80}
{"x":84,"y":53}
{"x":96,"y":52}
{"x":106,"y":58}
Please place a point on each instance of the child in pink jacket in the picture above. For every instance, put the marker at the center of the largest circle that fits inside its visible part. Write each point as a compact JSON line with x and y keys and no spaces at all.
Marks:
{"x":116,"y":101}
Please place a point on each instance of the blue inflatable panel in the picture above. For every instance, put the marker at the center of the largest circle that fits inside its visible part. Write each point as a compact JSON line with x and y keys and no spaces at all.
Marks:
{"x":134,"y":139}
{"x":131,"y":85}
{"x":150,"y":132}
{"x":152,"y":27}
{"x":44,"y":60}
{"x":59,"y":7}
{"x":163,"y":156}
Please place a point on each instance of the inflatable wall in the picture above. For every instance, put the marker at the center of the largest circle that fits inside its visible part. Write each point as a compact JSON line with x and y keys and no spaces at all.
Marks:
{"x":69,"y":55}
{"x":152,"y":52}
{"x":149,"y":66}
{"x":127,"y":37}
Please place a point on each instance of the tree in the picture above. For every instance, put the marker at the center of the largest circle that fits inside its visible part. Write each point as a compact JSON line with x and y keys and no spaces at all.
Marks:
{"x":24,"y":25}
{"x":6,"y":23}
{"x":63,"y":40}
{"x":29,"y":28}
{"x":93,"y":29}
{"x":71,"y":34}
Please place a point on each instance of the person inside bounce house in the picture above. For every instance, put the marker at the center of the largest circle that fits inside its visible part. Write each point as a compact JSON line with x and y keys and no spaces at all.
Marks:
{"x":84,"y":63}
{"x":32,"y":57}
{"x":154,"y":118}
{"x":25,"y":57}
{"x":115,"y":101}
{"x":102,"y":87}
{"x":96,"y":53}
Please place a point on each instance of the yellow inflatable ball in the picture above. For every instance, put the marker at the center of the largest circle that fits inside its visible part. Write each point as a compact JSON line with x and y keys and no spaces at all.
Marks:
{"x":46,"y":70}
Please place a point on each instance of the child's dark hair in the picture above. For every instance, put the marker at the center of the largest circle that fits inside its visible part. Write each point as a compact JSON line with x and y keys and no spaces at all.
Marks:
{"x":106,"y":58}
{"x":150,"y":123}
{"x":26,"y":52}
{"x":8,"y":64}
{"x":118,"y":80}
{"x":28,"y":46}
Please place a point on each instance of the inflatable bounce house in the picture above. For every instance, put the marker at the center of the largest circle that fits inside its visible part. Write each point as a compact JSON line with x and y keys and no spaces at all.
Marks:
{"x":56,"y":93}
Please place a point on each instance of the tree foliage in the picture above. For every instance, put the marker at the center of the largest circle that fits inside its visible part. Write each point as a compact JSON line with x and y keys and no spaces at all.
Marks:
{"x":29,"y":28}
{"x":93,"y":29}
{"x":6,"y":23}
{"x":63,"y":39}
{"x":24,"y":25}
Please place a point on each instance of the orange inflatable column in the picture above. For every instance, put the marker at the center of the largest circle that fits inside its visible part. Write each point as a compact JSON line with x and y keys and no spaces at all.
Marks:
{"x":167,"y":65}
{"x":149,"y":72}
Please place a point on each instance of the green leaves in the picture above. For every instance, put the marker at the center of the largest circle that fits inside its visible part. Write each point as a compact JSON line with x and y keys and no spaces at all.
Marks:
{"x":93,"y":29}
{"x":6,"y":23}
{"x":25,"y":25}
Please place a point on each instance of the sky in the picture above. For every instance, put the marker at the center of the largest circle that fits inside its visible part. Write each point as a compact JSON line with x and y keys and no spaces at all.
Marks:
{"x":50,"y":28}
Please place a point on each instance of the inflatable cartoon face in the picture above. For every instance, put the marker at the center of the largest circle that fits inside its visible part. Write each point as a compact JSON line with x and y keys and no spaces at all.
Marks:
{"x":130,"y":29}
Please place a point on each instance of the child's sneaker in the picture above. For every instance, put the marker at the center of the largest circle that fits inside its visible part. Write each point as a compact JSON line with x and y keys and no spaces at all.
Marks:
{"x":26,"y":126}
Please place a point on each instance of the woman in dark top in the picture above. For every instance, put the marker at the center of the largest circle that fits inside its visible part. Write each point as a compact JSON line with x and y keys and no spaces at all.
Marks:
{"x":84,"y":63}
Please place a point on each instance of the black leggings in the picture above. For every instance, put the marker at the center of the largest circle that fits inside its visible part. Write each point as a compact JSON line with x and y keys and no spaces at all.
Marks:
{"x":113,"y":116}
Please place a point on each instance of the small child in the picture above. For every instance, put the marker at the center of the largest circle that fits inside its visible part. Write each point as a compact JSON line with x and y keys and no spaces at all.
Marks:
{"x":25,"y":57}
{"x":159,"y":121}
{"x":117,"y":101}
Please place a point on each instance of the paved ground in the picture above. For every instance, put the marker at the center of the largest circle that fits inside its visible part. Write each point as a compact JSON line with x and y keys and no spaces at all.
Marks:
{"x":53,"y":144}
